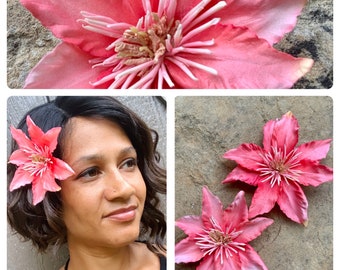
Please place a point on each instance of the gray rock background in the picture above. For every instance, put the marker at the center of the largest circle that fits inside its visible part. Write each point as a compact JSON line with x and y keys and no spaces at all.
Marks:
{"x":28,"y":42}
{"x":206,"y":127}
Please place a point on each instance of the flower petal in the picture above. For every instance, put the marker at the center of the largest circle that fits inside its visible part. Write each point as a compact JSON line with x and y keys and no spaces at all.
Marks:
{"x":49,"y":139}
{"x":264,"y":199}
{"x":242,"y":60}
{"x":314,"y":174}
{"x":242,"y":175}
{"x":22,"y":140}
{"x":61,"y":17}
{"x":270,"y":19}
{"x":18,"y":157}
{"x":191,"y":225}
{"x":251,"y":260}
{"x":38,"y":191}
{"x":283,"y":133}
{"x":293,"y":202}
{"x":314,"y":150}
{"x":187,"y":251}
{"x":65,"y":67}
{"x":252,"y":229}
{"x":211,"y":208}
{"x":21,"y":178}
{"x":247,"y":155}
{"x":237,"y":212}
{"x":61,"y":169}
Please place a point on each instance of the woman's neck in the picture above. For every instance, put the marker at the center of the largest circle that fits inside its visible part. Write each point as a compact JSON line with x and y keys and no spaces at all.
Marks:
{"x":130,"y":257}
{"x":90,"y":258}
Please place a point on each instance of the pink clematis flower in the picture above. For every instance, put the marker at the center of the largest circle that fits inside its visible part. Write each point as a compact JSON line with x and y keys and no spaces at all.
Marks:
{"x":219,"y":238}
{"x":167,"y":44}
{"x":279,"y":168}
{"x":36,"y":164}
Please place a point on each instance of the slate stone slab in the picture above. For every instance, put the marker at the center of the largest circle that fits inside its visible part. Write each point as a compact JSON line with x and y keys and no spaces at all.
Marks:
{"x":206,"y":127}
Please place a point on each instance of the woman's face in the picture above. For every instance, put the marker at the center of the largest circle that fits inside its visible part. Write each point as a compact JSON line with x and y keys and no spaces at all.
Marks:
{"x":103,"y":202}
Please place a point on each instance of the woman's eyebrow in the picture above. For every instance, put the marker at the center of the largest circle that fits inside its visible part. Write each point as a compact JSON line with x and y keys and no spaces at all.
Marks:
{"x":96,"y":157}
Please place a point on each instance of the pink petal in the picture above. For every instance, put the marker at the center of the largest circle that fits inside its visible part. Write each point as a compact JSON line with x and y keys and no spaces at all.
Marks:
{"x":211,"y":208}
{"x":18,"y":157}
{"x":38,"y":191}
{"x":207,"y":263}
{"x":264,"y":199}
{"x":49,"y":139}
{"x":270,"y":19}
{"x":246,"y":155}
{"x":283,"y":133}
{"x":22,"y":140}
{"x":34,"y":131}
{"x":242,"y":175}
{"x":21,"y":178}
{"x":61,"y":18}
{"x":191,"y":225}
{"x":293,"y":202}
{"x":314,"y":150}
{"x":49,"y":183}
{"x":187,"y":251}
{"x":242,"y":60}
{"x":61,"y":169}
{"x":314,"y":174}
{"x":250,"y":259}
{"x":237,"y":212}
{"x":252,"y":229}
{"x":65,"y":67}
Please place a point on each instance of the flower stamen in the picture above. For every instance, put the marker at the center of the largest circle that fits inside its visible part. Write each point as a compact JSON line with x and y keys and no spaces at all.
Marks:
{"x":142,"y":49}
{"x":279,"y":166}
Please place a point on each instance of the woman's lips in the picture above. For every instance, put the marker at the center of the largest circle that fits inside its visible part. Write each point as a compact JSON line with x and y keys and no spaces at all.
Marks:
{"x":123,"y":214}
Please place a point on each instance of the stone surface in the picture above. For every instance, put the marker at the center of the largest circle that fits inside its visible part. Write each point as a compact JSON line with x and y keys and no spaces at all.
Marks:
{"x":312,"y":37}
{"x":206,"y":127}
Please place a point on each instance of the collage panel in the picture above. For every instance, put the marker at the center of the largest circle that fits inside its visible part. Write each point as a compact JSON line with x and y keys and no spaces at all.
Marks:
{"x":253,"y":182}
{"x":63,"y":153}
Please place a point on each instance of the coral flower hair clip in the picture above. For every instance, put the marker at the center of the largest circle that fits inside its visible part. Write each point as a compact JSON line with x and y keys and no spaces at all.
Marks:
{"x":279,"y":168}
{"x":35,"y":162}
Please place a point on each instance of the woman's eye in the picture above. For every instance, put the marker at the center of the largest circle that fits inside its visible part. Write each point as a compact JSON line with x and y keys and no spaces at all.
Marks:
{"x":130,"y":163}
{"x":89,"y":173}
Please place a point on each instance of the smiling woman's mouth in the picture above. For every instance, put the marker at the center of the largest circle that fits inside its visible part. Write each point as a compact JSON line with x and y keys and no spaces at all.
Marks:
{"x":124,"y":214}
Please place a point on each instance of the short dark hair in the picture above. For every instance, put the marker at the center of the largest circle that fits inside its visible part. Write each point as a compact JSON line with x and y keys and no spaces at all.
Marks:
{"x":43,"y":224}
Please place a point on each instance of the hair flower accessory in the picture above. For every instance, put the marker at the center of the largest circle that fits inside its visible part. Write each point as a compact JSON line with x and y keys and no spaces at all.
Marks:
{"x":219,"y":238}
{"x":279,"y":168}
{"x":36,"y":164}
{"x":167,"y":44}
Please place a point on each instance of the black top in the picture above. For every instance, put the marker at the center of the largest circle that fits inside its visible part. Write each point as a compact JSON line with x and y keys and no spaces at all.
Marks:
{"x":162,"y":261}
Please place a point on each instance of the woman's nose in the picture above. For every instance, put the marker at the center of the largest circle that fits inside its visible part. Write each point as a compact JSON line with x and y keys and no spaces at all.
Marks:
{"x":117,"y":186}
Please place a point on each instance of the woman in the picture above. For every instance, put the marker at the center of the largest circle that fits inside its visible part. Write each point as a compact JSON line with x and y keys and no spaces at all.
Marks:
{"x":107,"y":207}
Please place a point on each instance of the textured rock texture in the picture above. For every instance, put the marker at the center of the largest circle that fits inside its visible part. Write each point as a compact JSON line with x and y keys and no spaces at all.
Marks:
{"x":312,"y":37}
{"x":206,"y":127}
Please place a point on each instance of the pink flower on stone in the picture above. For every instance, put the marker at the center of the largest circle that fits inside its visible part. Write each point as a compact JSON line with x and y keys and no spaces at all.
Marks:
{"x":167,"y":44}
{"x":279,"y":168}
{"x":36,"y":164}
{"x":219,"y":238}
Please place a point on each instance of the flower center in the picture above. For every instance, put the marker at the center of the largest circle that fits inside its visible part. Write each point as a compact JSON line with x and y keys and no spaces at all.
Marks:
{"x":38,"y":165}
{"x":140,"y":46}
{"x":140,"y":50}
{"x":219,"y":242}
{"x":278,"y":166}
